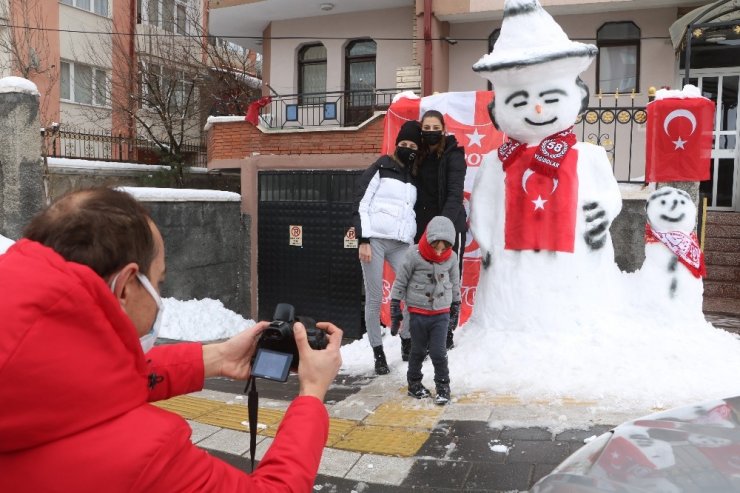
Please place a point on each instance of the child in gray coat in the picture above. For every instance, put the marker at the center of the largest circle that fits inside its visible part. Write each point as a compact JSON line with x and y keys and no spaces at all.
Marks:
{"x":429,"y":283}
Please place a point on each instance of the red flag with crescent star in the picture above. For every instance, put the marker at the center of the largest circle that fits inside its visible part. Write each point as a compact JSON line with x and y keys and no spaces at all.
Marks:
{"x":466,"y":117}
{"x":679,"y":139}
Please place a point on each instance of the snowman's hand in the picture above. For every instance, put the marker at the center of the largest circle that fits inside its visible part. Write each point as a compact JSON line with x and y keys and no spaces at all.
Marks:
{"x":486,"y":259}
{"x":597,"y":225}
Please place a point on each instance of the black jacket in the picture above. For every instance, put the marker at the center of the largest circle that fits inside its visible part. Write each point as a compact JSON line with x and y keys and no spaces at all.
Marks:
{"x":451,"y":181}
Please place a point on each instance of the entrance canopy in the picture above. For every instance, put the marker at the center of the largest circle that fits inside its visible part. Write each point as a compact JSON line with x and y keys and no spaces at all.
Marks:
{"x":717,"y":18}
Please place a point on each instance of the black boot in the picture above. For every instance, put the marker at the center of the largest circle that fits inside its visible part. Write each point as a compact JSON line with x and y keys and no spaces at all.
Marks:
{"x":381,"y":366}
{"x":405,"y":349}
{"x":443,"y":394}
{"x":417,"y":390}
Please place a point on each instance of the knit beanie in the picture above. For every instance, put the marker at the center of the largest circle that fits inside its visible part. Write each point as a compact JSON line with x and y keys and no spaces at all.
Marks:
{"x":410,"y":130}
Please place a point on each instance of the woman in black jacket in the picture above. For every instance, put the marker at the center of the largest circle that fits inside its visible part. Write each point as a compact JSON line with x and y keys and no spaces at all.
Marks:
{"x":440,"y":179}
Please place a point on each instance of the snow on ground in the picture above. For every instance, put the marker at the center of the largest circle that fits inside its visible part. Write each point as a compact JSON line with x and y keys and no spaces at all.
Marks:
{"x":5,"y":243}
{"x":200,"y":320}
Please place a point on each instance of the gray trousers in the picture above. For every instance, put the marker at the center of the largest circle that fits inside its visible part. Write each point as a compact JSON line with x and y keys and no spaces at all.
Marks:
{"x":382,"y":249}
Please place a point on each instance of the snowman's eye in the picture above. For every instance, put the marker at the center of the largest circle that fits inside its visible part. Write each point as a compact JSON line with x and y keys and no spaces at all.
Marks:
{"x":662,"y":202}
{"x":683,"y":201}
{"x":520,"y":103}
{"x":550,"y":101}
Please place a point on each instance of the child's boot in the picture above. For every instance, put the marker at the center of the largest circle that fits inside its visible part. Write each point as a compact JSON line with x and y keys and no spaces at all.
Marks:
{"x":443,"y":394}
{"x":418,"y":391}
{"x":381,"y":365}
{"x":405,"y":349}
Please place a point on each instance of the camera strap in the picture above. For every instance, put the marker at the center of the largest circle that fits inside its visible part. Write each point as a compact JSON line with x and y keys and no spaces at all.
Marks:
{"x":252,"y":400}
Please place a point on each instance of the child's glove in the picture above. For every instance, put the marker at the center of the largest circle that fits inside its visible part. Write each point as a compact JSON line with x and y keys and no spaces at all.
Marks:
{"x":396,"y":316}
{"x":454,"y":316}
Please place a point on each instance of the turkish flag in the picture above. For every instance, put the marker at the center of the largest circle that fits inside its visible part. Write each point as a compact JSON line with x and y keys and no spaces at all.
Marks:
{"x":679,"y":139}
{"x":466,"y":117}
{"x":540,"y":210}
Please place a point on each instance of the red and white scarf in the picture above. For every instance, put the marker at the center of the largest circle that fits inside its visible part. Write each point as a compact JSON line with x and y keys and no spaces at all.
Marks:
{"x":684,"y":246}
{"x":548,"y":157}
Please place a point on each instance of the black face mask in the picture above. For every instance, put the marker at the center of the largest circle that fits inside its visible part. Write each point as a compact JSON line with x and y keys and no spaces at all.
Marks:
{"x":406,"y":155}
{"x":431,"y":137}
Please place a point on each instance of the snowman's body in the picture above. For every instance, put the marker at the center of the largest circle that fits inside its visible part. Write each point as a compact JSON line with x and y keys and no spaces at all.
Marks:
{"x":677,"y":291}
{"x":526,"y":290}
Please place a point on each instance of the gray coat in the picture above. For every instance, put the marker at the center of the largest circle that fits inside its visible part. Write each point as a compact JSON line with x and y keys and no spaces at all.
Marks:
{"x":428,"y":285}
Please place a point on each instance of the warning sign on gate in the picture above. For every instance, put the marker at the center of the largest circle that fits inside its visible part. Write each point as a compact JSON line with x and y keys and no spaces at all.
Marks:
{"x":350,"y":240}
{"x":296,"y":235}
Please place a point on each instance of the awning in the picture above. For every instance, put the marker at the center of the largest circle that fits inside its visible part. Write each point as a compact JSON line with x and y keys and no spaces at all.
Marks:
{"x":719,"y":11}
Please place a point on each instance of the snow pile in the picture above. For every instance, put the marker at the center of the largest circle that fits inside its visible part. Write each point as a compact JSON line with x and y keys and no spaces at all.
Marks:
{"x":18,"y":84}
{"x":151,"y":194}
{"x":200,"y":320}
{"x":5,"y":243}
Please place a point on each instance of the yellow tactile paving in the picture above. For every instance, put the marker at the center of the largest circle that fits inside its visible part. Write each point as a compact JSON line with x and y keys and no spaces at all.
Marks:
{"x":486,"y":398}
{"x":188,"y":407}
{"x":338,"y":429}
{"x":383,"y":440}
{"x":408,"y":413}
{"x":235,"y":417}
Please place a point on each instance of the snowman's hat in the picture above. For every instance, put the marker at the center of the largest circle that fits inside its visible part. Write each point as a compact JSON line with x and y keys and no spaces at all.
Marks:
{"x":530,"y":36}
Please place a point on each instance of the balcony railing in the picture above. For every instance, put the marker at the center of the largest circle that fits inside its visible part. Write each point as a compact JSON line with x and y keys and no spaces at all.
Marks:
{"x":618,"y":129}
{"x":72,"y":143}
{"x":338,"y":108}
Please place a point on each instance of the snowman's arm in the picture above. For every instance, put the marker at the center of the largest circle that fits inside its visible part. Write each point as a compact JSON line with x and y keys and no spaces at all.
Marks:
{"x":606,"y":186}
{"x":481,"y":202}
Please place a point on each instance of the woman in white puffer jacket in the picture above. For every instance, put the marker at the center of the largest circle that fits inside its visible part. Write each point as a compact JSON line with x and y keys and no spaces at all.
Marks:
{"x":385,"y":224}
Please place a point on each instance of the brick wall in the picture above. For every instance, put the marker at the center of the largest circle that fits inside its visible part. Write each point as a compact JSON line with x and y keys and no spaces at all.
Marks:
{"x":240,"y":139}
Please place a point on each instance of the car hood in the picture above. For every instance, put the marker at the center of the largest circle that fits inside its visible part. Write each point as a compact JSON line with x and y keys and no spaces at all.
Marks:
{"x":687,"y":449}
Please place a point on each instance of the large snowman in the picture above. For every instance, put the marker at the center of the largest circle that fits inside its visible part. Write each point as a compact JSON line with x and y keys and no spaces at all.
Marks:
{"x":542,"y":204}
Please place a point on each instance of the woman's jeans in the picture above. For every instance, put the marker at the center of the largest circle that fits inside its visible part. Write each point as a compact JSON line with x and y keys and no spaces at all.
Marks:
{"x":394,"y":252}
{"x":429,"y":331}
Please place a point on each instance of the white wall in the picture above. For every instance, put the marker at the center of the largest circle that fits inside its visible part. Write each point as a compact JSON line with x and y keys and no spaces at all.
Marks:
{"x":393,"y":23}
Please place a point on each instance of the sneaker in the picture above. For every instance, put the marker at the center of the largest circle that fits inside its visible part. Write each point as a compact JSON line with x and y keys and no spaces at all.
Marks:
{"x":405,"y":349}
{"x":418,"y":391}
{"x":443,"y":395}
{"x":381,"y":365}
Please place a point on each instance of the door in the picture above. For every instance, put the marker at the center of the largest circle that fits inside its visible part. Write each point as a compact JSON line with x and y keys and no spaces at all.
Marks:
{"x":359,"y":81}
{"x":721,"y":86}
{"x":303,"y":258}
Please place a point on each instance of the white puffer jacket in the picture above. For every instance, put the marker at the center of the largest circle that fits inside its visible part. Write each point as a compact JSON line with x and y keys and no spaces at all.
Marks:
{"x":384,"y":203}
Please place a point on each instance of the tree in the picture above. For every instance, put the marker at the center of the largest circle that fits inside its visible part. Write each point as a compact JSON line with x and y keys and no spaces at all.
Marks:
{"x":25,"y":49}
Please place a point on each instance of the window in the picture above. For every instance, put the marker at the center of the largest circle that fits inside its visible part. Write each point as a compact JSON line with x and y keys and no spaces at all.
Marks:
{"x":360,"y":73}
{"x":99,"y":7}
{"x":170,"y":15}
{"x":618,"y":62}
{"x":492,"y":38}
{"x":166,"y":88}
{"x":84,"y":84}
{"x":312,"y":73}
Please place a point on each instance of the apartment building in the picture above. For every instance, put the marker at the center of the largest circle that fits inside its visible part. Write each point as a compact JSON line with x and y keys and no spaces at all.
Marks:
{"x":136,"y":69}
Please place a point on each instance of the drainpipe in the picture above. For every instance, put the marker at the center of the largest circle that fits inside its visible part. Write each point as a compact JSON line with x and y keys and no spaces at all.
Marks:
{"x":427,"y":82}
{"x":134,"y":67}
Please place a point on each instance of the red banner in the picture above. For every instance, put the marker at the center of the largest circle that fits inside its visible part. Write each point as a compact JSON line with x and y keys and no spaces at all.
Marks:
{"x":679,"y":139}
{"x":466,"y":117}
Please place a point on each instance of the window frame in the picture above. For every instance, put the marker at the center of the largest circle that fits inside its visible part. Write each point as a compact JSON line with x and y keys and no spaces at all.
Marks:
{"x":172,"y":25}
{"x":350,"y":59}
{"x":619,"y":43}
{"x":91,"y":9}
{"x":303,"y":63}
{"x":95,"y":93}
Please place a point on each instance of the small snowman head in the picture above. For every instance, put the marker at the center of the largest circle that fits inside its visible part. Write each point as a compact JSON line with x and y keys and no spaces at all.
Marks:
{"x":671,"y":209}
{"x":534,"y":70}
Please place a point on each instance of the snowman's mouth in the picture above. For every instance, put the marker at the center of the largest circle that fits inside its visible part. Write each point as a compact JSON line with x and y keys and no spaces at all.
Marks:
{"x":540,"y":124}
{"x":673,"y":219}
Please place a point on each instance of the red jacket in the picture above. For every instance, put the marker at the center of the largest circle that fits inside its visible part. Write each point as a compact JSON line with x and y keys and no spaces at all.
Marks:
{"x":74,"y":386}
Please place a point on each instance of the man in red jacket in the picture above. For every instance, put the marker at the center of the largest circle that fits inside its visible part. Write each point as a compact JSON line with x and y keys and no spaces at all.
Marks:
{"x":79,"y":301}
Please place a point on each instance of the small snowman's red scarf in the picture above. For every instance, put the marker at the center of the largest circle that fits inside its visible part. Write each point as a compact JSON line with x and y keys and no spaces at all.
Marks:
{"x":541,"y":193}
{"x":685,"y":247}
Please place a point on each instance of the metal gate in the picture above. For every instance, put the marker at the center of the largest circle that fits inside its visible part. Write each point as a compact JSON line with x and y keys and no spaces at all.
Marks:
{"x":302,"y":259}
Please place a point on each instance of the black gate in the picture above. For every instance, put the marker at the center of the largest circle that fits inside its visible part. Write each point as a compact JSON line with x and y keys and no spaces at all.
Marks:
{"x":303,"y":219}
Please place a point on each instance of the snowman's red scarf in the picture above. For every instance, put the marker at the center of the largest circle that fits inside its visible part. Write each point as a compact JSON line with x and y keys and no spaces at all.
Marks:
{"x":685,"y":247}
{"x":548,"y":157}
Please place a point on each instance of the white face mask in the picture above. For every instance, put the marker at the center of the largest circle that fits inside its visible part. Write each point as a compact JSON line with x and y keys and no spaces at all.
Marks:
{"x":147,"y":340}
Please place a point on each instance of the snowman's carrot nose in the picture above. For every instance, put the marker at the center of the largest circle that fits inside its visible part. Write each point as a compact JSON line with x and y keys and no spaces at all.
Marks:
{"x":538,"y":108}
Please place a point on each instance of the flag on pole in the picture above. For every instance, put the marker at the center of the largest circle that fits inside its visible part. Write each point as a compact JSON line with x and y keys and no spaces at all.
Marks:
{"x":466,"y":117}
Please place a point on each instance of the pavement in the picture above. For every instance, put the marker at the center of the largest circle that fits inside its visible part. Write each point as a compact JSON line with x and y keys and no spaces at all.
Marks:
{"x":381,"y":440}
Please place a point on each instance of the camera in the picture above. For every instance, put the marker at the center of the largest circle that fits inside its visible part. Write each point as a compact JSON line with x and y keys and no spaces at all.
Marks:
{"x":277,"y":352}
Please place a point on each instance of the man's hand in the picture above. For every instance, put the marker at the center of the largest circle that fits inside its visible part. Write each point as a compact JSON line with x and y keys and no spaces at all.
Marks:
{"x":317,"y":368}
{"x":233,"y":358}
{"x":366,"y":253}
